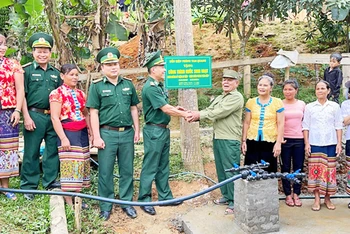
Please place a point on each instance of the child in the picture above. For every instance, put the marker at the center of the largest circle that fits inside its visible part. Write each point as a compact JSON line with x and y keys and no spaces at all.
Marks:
{"x":334,"y":76}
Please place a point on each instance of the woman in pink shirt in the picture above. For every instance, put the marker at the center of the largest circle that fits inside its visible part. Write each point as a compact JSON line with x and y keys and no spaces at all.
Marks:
{"x":293,"y":147}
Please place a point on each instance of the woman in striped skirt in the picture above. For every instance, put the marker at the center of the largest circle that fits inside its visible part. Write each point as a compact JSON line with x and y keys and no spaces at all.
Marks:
{"x":71,"y":122}
{"x":11,"y":99}
{"x":322,"y":128}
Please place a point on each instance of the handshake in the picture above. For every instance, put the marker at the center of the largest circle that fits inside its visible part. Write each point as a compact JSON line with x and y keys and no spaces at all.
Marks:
{"x":188,"y":115}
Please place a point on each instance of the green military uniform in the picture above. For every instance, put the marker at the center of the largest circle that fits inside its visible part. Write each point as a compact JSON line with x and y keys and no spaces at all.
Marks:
{"x":226,"y":113}
{"x":113,"y":103}
{"x":38,"y":84}
{"x":156,"y":138}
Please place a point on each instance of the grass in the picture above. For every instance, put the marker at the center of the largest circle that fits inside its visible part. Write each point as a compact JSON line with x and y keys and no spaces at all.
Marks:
{"x":22,"y":216}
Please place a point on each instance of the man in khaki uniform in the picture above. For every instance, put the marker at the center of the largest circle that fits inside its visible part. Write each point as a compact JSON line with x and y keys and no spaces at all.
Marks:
{"x":226,"y":113}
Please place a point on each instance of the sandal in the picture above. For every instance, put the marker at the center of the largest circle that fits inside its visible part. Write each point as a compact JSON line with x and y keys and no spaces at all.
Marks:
{"x":316,"y":207}
{"x":349,"y":205}
{"x":11,"y":196}
{"x":229,"y":210}
{"x":297,"y":201}
{"x":329,"y":205}
{"x":289,"y":201}
{"x":221,"y":201}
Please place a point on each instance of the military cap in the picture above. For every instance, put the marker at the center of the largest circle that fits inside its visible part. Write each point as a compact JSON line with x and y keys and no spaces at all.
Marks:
{"x":153,"y":59}
{"x":40,"y":40}
{"x":108,"y":55}
{"x":231,"y":74}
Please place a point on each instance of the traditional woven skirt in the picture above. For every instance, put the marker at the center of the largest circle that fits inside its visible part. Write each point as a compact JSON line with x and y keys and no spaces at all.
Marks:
{"x":322,"y":170}
{"x":8,"y":145}
{"x":75,"y":163}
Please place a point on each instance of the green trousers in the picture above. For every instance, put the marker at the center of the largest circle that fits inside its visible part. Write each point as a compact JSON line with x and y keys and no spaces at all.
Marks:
{"x":30,"y":170}
{"x":155,"y":163}
{"x":226,"y":153}
{"x":118,"y":145}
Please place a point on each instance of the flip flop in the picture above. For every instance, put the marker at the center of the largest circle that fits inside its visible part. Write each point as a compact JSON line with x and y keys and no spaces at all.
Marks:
{"x":297,"y":201}
{"x":330,"y":205}
{"x":11,"y":196}
{"x":316,"y":208}
{"x":221,"y":201}
{"x":229,"y":211}
{"x":289,"y":201}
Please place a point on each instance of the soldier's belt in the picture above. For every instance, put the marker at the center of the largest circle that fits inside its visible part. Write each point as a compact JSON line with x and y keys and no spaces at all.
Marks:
{"x":118,"y":129}
{"x":46,"y":112}
{"x":159,"y":125}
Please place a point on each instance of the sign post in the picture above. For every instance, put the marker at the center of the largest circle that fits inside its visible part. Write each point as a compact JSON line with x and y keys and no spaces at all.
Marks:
{"x":188,"y":72}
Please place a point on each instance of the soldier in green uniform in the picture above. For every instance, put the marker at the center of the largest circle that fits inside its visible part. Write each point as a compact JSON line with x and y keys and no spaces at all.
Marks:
{"x":113,"y":103}
{"x":40,"y":78}
{"x":156,"y":134}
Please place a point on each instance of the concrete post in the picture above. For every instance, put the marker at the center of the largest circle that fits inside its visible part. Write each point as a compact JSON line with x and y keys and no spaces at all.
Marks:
{"x":58,"y":215}
{"x":257,"y":206}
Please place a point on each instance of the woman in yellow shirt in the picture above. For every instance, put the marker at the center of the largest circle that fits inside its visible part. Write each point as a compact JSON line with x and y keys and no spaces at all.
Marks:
{"x":263,"y":126}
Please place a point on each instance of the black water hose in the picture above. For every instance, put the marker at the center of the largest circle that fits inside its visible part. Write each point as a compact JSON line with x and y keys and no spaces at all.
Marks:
{"x":171,"y":176}
{"x":129,"y":203}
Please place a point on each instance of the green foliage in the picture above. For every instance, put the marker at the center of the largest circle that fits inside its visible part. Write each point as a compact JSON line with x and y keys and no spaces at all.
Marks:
{"x":4,"y":18}
{"x":5,"y":3}
{"x":115,"y":29}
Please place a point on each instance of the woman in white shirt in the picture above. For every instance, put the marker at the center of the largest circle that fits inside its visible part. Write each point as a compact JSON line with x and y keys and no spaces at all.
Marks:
{"x":345,"y":110}
{"x":322,"y":128}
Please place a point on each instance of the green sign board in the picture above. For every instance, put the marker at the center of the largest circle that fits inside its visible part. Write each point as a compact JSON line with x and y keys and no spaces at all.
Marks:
{"x":187,"y":72}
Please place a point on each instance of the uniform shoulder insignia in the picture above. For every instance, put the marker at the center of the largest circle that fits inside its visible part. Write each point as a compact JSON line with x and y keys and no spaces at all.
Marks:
{"x":129,"y":79}
{"x":97,"y":80}
{"x":27,"y":64}
{"x":55,"y":68}
{"x":152,"y":83}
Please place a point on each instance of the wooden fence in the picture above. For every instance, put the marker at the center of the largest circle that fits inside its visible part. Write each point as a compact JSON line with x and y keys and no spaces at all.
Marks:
{"x":246,"y":64}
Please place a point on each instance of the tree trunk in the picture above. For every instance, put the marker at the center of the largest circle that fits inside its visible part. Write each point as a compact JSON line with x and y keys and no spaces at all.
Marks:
{"x":190,"y":139}
{"x":65,"y":54}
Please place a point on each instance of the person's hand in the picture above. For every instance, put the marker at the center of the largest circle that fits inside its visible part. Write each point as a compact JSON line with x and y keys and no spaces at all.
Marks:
{"x":195,"y":116}
{"x":65,"y":144}
{"x":136,"y":136}
{"x":244,"y":147}
{"x":29,"y":124}
{"x":180,"y":108}
{"x":283,"y":141}
{"x":277,"y":149}
{"x":307,"y":149}
{"x":338,"y":149}
{"x":99,"y":143}
{"x":15,"y":117}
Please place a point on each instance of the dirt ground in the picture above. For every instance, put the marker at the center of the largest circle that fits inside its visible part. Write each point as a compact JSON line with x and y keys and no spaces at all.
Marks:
{"x":166,"y":221}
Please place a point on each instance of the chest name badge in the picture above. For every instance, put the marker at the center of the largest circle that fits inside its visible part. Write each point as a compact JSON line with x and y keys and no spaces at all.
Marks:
{"x":126,"y":89}
{"x":53,"y":76}
{"x":36,"y":74}
{"x":106,"y":91}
